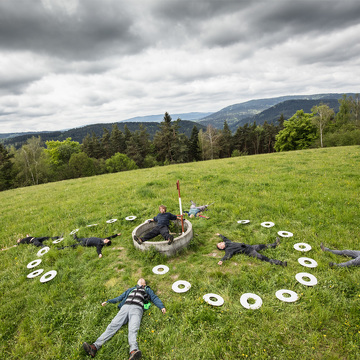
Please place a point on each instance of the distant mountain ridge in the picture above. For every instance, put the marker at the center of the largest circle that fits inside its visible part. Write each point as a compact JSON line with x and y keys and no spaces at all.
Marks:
{"x":192,"y":116}
{"x":248,"y":112}
{"x":287,"y":108}
{"x":259,"y":111}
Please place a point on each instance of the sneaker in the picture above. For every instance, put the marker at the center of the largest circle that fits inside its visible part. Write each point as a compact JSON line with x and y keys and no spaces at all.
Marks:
{"x":135,"y":354}
{"x":138,"y":240}
{"x":331,"y":264}
{"x":171,"y":240}
{"x":90,"y":349}
{"x":322,"y":247}
{"x":284,"y":263}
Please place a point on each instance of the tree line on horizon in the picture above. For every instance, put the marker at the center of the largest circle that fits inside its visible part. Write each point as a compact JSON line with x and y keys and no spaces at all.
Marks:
{"x":37,"y":162}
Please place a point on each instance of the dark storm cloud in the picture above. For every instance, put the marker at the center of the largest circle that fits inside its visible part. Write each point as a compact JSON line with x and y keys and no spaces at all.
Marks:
{"x":225,"y":23}
{"x":66,"y":63}
{"x":93,"y":30}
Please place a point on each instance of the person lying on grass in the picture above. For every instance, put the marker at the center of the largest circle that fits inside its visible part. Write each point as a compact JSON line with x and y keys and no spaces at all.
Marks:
{"x":97,"y":242}
{"x":232,"y":248}
{"x":354,"y":254}
{"x":197,"y":211}
{"x":37,"y":241}
{"x":132,"y":304}
{"x":163,"y":221}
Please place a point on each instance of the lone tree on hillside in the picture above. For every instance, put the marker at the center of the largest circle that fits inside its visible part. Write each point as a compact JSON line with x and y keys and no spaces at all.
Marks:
{"x":322,"y":116}
{"x":298,"y":133}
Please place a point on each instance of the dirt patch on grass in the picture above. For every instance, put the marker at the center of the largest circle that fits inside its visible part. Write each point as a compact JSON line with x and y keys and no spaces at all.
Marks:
{"x":212,"y":254}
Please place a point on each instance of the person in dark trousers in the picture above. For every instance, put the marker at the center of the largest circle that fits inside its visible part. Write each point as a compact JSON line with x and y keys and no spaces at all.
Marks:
{"x":99,"y":243}
{"x":354,"y":254}
{"x":37,"y":241}
{"x":163,"y":221}
{"x":132,"y":303}
{"x":232,"y":248}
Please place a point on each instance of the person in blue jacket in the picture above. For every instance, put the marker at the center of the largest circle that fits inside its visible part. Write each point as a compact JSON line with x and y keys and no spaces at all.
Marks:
{"x":163,"y":221}
{"x":132,"y":303}
{"x":197,"y":211}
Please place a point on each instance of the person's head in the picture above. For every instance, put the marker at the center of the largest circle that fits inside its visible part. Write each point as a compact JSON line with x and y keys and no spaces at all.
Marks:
{"x":162,"y":209}
{"x":221,"y":245}
{"x":107,"y":242}
{"x":141,"y":282}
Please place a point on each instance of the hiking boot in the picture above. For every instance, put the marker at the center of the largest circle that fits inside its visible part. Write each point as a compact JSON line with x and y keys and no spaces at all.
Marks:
{"x":135,"y":355}
{"x":171,"y":240}
{"x":322,"y":247}
{"x":90,"y":349}
{"x":138,"y":240}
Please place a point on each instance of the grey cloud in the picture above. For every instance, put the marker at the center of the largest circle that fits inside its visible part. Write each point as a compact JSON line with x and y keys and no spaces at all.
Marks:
{"x":96,"y":29}
{"x":266,"y":23}
{"x":15,"y":86}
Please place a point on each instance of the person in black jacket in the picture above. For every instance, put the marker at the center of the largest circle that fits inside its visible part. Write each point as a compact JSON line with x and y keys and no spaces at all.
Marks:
{"x":37,"y":241}
{"x":232,"y":248}
{"x":132,"y":303}
{"x":99,"y":243}
{"x":163,"y":221}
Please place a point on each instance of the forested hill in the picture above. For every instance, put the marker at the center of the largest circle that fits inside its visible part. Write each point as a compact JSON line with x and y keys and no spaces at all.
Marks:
{"x":78,"y":134}
{"x":287,"y":109}
{"x":247,"y":112}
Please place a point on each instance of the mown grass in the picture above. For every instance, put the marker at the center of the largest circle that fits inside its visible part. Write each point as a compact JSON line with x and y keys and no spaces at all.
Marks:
{"x":314,"y":194}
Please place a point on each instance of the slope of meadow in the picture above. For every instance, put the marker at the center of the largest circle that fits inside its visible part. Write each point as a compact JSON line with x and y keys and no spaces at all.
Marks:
{"x":314,"y":194}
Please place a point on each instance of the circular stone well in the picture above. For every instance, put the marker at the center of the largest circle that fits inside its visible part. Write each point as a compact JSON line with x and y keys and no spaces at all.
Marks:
{"x":162,"y":246}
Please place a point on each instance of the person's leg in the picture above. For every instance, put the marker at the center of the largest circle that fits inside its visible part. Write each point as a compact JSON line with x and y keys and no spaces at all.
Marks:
{"x":261,"y":257}
{"x":117,"y":322}
{"x":151,"y":234}
{"x":135,"y":315}
{"x":164,"y":231}
{"x":353,"y":262}
{"x":350,"y":253}
{"x":262,"y":246}
{"x":259,"y":247}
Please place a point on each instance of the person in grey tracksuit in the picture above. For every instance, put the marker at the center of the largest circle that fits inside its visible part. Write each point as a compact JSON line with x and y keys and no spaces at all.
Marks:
{"x":354,"y":254}
{"x":131,"y":307}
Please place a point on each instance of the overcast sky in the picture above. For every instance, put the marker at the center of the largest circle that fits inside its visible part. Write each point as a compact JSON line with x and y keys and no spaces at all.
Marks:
{"x":69,"y":63}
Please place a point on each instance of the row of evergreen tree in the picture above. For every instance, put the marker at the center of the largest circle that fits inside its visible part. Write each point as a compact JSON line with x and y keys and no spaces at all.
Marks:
{"x":36,"y":162}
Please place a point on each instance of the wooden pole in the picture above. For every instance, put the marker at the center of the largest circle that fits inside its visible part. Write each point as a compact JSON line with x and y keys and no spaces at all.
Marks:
{"x":181,"y":213}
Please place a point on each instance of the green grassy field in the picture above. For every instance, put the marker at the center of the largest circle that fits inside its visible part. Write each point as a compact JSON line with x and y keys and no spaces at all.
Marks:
{"x":313,"y":193}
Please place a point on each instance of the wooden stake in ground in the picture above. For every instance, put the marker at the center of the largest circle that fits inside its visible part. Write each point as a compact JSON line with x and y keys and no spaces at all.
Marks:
{"x":181,"y":213}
